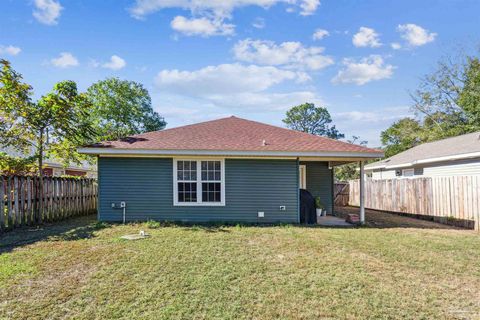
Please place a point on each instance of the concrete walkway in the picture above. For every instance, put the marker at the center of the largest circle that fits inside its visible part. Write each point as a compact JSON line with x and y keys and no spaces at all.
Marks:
{"x":332,"y":221}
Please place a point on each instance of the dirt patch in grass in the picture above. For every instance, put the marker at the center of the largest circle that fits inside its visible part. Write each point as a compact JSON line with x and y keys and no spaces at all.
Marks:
{"x":278,"y":272}
{"x":380,"y":219}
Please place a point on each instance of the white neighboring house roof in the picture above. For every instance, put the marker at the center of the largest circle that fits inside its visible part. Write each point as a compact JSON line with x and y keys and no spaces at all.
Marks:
{"x":466,"y":146}
{"x":84,"y":165}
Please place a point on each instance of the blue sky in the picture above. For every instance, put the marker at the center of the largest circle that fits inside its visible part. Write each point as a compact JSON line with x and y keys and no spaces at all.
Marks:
{"x":203,"y":60}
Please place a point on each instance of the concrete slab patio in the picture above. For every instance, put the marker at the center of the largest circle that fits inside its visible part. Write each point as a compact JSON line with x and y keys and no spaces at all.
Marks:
{"x":381,"y":219}
{"x":332,"y":221}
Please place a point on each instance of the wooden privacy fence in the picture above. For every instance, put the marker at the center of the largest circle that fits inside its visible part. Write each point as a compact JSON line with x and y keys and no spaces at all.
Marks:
{"x":23,"y":202}
{"x":444,"y":199}
{"x":341,"y":193}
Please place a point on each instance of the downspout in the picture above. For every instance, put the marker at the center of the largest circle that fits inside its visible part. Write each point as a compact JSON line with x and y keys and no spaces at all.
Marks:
{"x":98,"y":188}
{"x":332,"y":188}
{"x":362,"y":193}
{"x":298,"y":190}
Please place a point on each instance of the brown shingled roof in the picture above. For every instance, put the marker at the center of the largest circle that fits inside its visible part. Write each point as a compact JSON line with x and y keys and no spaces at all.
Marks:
{"x":232,"y":134}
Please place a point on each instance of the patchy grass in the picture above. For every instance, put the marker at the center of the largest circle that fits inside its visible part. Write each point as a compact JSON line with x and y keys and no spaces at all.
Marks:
{"x":82,"y":269}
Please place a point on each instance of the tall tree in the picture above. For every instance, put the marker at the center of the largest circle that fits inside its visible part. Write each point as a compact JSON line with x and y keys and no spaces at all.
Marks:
{"x":469,"y":98}
{"x":402,"y":135}
{"x":53,"y":125}
{"x":446,"y":104}
{"x":122,"y":108}
{"x":315,"y":120}
{"x":447,"y":100}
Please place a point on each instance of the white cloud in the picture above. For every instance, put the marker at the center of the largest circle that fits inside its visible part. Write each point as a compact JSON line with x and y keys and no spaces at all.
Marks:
{"x":319,"y":34}
{"x":265,"y":101}
{"x":367,"y":69}
{"x":259,"y":23}
{"x":10,"y":50}
{"x":185,"y":114}
{"x":366,"y":37}
{"x":208,"y":17}
{"x":232,"y":86}
{"x":309,"y":7}
{"x":93,"y":63}
{"x":115,"y":63}
{"x":288,"y":54}
{"x":223,"y":79}
{"x":415,"y":35}
{"x":47,"y":11}
{"x":202,"y":26}
{"x":65,"y":60}
{"x":371,"y":117}
{"x":396,"y":45}
{"x":219,"y":8}
{"x":369,"y":123}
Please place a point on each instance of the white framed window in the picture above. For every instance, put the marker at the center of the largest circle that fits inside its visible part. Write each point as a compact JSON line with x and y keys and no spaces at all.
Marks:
{"x":199,"y":182}
{"x":408,"y":172}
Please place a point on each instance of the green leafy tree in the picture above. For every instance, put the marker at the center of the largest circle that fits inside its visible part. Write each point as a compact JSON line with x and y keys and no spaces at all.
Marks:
{"x":54,"y":125}
{"x":11,"y":165}
{"x":446,"y":104}
{"x":315,"y":120}
{"x":469,"y":97}
{"x":350,"y":171}
{"x":402,"y":135}
{"x":122,"y":108}
{"x":447,"y":100}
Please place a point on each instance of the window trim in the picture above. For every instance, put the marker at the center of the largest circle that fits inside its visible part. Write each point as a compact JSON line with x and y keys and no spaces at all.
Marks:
{"x":199,"y":181}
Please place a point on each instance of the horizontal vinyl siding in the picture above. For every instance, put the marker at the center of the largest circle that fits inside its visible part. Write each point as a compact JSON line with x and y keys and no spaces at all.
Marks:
{"x":453,"y":168}
{"x":444,"y":169}
{"x":383,"y":174}
{"x":319,"y":182}
{"x":146,"y":184}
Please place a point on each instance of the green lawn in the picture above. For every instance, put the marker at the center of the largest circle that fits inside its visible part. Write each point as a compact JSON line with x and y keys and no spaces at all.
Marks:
{"x":83,"y":270}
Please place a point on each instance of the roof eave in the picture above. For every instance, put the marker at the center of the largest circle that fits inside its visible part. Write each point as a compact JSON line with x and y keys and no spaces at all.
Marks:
{"x":154,"y":152}
{"x":425,"y":161}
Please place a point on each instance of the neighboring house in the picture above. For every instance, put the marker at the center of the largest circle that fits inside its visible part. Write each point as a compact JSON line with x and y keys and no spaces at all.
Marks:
{"x":229,"y":169}
{"x":55,"y":168}
{"x":448,"y":157}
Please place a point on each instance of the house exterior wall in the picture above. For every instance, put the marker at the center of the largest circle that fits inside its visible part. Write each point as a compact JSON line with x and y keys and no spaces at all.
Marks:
{"x":146,"y":185}
{"x":454,"y":168}
{"x":382,"y":174}
{"x":58,"y":171}
{"x":442,"y":169}
{"x":320,"y":182}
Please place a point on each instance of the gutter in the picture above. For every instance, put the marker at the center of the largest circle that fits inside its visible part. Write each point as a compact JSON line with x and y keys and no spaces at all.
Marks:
{"x":426,"y":161}
{"x":152,"y":152}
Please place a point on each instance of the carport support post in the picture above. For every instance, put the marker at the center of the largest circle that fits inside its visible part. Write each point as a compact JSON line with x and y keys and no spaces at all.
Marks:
{"x":362,"y":193}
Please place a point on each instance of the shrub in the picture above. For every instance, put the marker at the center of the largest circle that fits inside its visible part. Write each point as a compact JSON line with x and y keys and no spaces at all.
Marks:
{"x":318,"y":203}
{"x":152,"y":224}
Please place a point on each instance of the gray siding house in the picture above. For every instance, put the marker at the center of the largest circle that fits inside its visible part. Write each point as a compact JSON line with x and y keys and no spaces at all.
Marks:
{"x":226,"y":170}
{"x":456,"y":156}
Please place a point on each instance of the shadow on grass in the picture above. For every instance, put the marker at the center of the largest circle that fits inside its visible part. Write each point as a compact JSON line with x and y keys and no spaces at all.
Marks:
{"x":68,"y":230}
{"x":85,"y":227}
{"x":227,"y":226}
{"x":384,"y":220}
{"x":190,"y":226}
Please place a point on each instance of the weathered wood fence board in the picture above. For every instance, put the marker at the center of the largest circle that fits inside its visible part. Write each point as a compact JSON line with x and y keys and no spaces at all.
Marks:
{"x":443,"y":198}
{"x":341,"y":193}
{"x":23,"y":202}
